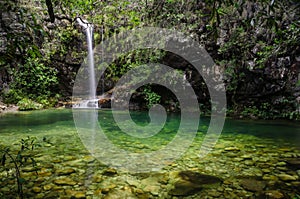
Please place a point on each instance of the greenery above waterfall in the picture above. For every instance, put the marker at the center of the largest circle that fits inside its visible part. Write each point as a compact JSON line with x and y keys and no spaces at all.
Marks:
{"x":256,"y":43}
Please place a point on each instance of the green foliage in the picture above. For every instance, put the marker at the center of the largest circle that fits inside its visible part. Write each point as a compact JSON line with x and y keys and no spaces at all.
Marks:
{"x":296,"y":196}
{"x":34,"y":78}
{"x":240,"y":35}
{"x":27,"y":104}
{"x":12,"y":96}
{"x":30,"y":78}
{"x":151,"y":97}
{"x":130,"y":60}
{"x":267,"y":110}
{"x":12,"y":161}
{"x":31,"y":81}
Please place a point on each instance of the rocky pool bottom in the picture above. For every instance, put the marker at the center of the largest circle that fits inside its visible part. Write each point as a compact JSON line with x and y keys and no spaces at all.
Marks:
{"x":240,"y":165}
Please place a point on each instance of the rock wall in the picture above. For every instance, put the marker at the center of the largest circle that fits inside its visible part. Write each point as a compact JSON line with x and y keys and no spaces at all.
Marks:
{"x":275,"y":86}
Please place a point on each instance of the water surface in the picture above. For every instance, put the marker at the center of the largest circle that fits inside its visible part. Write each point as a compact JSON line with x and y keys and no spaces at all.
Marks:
{"x":257,"y":151}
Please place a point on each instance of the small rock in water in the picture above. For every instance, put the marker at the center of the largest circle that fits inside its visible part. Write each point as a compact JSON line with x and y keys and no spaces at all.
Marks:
{"x":253,"y":185}
{"x":118,"y":194}
{"x":44,"y":172}
{"x":88,"y":159}
{"x":97,"y":178}
{"x":28,"y":169}
{"x":232,"y":149}
{"x":110,"y":172}
{"x":274,"y":194}
{"x":249,"y":162}
{"x":67,"y":171}
{"x":80,"y":195}
{"x":280,"y":164}
{"x":151,"y":185}
{"x":293,"y":164}
{"x":36,"y":189}
{"x":189,"y":182}
{"x":286,"y":177}
{"x":266,"y":170}
{"x":246,"y":157}
{"x":48,"y":187}
{"x":64,"y":181}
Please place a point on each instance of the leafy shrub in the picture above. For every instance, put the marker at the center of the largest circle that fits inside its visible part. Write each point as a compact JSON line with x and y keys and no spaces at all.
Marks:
{"x":27,"y":104}
{"x":31,"y":81}
{"x":151,"y":97}
{"x":12,"y":96}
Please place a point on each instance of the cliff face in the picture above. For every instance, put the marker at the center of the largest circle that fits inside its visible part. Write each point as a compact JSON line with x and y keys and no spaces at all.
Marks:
{"x":261,"y":62}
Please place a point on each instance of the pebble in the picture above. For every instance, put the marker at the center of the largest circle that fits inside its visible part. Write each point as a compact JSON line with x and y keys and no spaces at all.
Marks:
{"x":28,"y":169}
{"x":88,"y":159}
{"x":39,"y":196}
{"x":274,"y":194}
{"x":282,"y":168}
{"x":44,"y":172}
{"x":266,"y":170}
{"x":36,"y":189}
{"x":249,"y":163}
{"x":64,"y":181}
{"x":97,"y":178}
{"x":231,"y":149}
{"x":67,"y":171}
{"x":80,"y":195}
{"x":253,"y":185}
{"x":47,"y":187}
{"x":280,"y":164}
{"x":245,"y":172}
{"x":110,"y":172}
{"x":286,"y":177}
{"x":247,"y":157}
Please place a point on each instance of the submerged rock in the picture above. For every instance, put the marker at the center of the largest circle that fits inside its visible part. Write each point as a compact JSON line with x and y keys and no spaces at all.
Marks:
{"x":151,"y":185}
{"x":110,"y":172}
{"x":286,"y":177}
{"x":253,"y":185}
{"x":64,"y":181}
{"x":189,"y":182}
{"x":117,"y":194}
{"x":80,"y":195}
{"x":274,"y":194}
{"x":233,"y":148}
{"x":67,"y":171}
{"x":293,"y":164}
{"x":47,"y":187}
{"x":36,"y":189}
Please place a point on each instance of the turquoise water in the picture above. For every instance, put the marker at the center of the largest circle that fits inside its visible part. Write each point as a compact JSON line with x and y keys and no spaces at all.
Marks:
{"x":38,"y":122}
{"x":257,"y":151}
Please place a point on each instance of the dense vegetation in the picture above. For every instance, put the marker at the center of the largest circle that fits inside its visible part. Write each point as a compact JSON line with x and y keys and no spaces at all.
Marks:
{"x":256,"y":42}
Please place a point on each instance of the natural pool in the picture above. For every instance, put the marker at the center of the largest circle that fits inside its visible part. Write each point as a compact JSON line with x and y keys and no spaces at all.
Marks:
{"x":252,"y":159}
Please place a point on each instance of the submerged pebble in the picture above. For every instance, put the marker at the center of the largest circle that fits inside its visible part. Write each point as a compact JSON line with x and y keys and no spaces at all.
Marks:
{"x":286,"y":177}
{"x":240,"y":166}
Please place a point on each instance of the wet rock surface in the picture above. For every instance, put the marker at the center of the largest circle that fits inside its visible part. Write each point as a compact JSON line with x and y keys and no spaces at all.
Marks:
{"x":4,"y":108}
{"x":253,"y":185}
{"x":189,"y":182}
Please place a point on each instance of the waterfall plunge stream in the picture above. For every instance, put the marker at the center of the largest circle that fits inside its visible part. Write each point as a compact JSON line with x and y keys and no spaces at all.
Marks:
{"x":92,"y":101}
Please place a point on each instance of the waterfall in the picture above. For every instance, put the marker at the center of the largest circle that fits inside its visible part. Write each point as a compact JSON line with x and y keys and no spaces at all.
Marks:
{"x":92,"y":101}
{"x":89,"y":117}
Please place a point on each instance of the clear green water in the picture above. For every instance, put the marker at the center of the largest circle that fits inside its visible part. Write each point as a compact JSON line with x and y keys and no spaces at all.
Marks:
{"x":245,"y":150}
{"x":60,"y":122}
